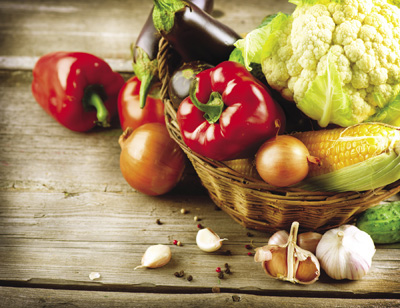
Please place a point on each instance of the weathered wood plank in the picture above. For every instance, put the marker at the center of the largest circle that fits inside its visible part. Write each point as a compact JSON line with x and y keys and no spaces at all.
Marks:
{"x":29,"y":29}
{"x":51,"y":238}
{"x":22,"y":297}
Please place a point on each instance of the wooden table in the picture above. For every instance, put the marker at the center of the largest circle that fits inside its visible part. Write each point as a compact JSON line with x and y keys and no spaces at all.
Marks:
{"x":67,"y":212}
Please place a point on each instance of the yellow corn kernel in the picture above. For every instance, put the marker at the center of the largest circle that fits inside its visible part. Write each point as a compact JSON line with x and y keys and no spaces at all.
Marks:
{"x":341,"y":147}
{"x":245,"y":166}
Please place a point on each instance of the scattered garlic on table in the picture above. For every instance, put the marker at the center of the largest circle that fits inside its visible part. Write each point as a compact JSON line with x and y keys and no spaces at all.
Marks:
{"x":288,"y":261}
{"x":307,"y":240}
{"x":94,"y":275}
{"x":156,"y":256}
{"x":346,"y":252}
{"x":207,"y":240}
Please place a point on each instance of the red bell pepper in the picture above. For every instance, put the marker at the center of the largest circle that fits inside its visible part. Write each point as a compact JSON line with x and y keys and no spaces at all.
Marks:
{"x":77,"y":89}
{"x":129,"y":105}
{"x":228,"y":114}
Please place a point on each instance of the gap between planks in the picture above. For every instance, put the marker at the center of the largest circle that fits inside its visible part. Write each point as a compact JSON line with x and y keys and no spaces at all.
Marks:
{"x":155,"y":289}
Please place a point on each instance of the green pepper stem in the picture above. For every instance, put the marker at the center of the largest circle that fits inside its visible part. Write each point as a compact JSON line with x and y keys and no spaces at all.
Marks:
{"x":102,"y":112}
{"x":213,"y":108}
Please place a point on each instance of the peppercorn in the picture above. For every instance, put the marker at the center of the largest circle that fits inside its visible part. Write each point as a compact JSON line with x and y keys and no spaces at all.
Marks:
{"x":227,"y":269}
{"x":236,"y":298}
{"x":190,"y":278}
{"x":158,"y":221}
{"x":221,"y":275}
{"x":247,"y":246}
{"x":179,"y":274}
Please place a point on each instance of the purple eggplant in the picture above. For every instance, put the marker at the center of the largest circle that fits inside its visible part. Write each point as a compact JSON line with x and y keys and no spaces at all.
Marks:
{"x":193,"y":33}
{"x":145,"y":50}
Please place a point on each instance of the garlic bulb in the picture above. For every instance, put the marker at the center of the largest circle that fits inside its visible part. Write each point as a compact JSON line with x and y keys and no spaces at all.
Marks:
{"x":346,"y":252}
{"x":156,"y":256}
{"x":288,"y":261}
{"x":207,"y":240}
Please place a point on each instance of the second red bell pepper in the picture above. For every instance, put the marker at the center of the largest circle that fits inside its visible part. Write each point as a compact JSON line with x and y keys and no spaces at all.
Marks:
{"x":228,"y":114}
{"x":78,"y":89}
{"x":129,"y":107}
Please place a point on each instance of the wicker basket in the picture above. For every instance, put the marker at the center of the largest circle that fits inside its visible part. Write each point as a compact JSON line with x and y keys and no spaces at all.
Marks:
{"x":258,"y":205}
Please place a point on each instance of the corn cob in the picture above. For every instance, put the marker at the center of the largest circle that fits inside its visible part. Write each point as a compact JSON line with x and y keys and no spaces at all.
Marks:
{"x":244,"y":166}
{"x":341,"y":147}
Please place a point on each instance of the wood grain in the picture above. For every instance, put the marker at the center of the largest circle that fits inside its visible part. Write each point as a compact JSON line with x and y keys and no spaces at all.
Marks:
{"x":66,"y":298}
{"x":66,"y":211}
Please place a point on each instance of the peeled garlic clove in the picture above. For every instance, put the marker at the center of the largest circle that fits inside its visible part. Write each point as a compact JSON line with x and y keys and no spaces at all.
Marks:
{"x":207,"y":240}
{"x":308,"y":267}
{"x":309,"y":240}
{"x":156,"y":256}
{"x":276,"y":266}
{"x":346,"y":252}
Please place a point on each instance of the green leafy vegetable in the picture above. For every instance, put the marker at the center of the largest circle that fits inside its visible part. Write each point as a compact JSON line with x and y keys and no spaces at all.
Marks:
{"x":253,"y":45}
{"x":389,"y":114}
{"x":325,"y":100}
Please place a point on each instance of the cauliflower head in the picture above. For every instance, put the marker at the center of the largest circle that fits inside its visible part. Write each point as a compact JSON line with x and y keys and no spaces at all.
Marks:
{"x":338,"y":60}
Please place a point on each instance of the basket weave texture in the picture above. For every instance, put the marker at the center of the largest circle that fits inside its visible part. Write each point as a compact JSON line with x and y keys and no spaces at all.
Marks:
{"x":257,"y":205}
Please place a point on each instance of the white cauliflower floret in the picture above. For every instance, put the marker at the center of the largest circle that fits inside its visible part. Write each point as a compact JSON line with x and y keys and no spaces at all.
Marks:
{"x":362,"y":38}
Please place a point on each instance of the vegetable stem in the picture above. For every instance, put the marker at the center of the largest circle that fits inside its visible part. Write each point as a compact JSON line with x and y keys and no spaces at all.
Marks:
{"x":213,"y":108}
{"x":102,"y":112}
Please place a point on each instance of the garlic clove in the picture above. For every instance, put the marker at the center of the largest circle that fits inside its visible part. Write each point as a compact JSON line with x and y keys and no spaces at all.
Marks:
{"x":156,"y":256}
{"x":207,"y":240}
{"x":309,"y":240}
{"x":276,"y":266}
{"x":279,"y":238}
{"x":308,"y":269}
{"x":346,"y":252}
